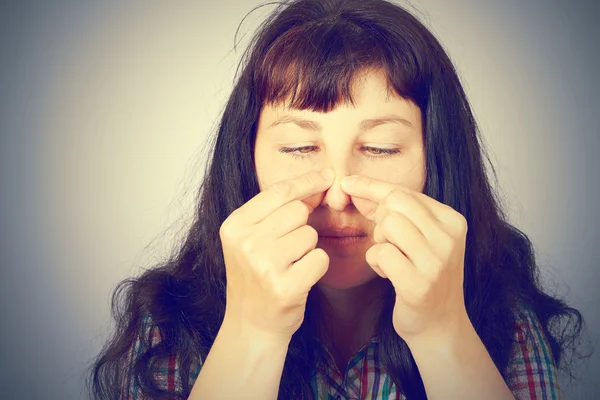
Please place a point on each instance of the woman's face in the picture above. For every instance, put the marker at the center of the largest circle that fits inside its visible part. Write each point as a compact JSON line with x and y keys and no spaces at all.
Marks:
{"x":350,"y":141}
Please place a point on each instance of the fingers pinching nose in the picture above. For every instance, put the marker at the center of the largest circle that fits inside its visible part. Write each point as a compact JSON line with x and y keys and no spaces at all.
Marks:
{"x":328,"y":174}
{"x":348,"y":181}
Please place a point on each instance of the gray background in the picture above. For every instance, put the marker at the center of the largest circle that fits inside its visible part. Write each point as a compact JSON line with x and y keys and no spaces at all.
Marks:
{"x":104,"y":109}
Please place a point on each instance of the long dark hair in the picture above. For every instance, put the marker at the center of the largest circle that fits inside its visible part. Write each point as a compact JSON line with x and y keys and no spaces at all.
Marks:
{"x":309,"y":51}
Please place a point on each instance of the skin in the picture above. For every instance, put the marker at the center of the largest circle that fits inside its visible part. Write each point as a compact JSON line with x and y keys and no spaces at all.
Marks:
{"x":414,"y":242}
{"x":350,"y":286}
{"x":271,"y":264}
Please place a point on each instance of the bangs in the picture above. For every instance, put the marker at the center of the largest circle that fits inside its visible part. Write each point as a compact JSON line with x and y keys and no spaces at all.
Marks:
{"x":313,"y":66}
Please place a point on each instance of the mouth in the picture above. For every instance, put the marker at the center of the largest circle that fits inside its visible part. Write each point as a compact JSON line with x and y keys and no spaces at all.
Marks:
{"x":339,"y":232}
{"x":342,"y":236}
{"x":341,"y":241}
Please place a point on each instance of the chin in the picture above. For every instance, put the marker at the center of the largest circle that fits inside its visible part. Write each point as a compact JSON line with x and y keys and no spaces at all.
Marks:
{"x":343,"y":274}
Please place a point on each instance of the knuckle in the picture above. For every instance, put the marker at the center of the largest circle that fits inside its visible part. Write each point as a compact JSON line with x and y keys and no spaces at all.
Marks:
{"x":311,"y":234}
{"x":461,"y":221}
{"x":446,"y":243}
{"x":280,"y":189}
{"x":320,"y":258}
{"x":247,"y":246}
{"x":227,"y":229}
{"x":280,"y":291}
{"x":387,"y":249}
{"x":300,"y":209}
{"x":389,"y":222}
{"x":435,"y":265}
{"x":394,"y":200}
{"x":264,"y":268}
{"x":397,"y":195}
{"x":420,"y":292}
{"x":456,"y":218}
{"x":371,"y":254}
{"x":389,"y":201}
{"x":308,"y":182}
{"x":321,"y":254}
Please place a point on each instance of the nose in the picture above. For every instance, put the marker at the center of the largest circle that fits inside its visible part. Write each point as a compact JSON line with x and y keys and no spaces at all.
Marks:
{"x":335,"y":198}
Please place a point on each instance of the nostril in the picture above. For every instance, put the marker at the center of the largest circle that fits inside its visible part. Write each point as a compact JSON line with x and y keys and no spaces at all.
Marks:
{"x":335,"y":198}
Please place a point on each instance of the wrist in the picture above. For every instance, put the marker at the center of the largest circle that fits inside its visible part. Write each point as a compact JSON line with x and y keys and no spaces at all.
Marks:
{"x":446,"y":341}
{"x":252,"y":334}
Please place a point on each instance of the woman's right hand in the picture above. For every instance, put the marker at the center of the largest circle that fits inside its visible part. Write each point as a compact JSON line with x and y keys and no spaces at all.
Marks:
{"x":270,"y":256}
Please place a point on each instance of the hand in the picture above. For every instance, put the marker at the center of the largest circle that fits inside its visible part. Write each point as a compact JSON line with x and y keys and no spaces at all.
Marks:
{"x":270,"y":256}
{"x":420,"y":248}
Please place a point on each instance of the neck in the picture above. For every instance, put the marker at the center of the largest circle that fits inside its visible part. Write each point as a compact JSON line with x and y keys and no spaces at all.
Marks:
{"x":352,"y":310}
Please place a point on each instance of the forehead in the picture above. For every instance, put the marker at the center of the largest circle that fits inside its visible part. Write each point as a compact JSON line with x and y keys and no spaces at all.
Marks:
{"x":372,"y":98}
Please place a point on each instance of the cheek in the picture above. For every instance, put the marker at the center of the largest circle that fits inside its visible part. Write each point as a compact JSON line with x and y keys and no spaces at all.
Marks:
{"x":270,"y":167}
{"x":271,"y":172}
{"x":410,"y":173}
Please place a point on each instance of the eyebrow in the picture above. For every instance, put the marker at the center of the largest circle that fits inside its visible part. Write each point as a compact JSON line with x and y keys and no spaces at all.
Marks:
{"x":364,"y":125}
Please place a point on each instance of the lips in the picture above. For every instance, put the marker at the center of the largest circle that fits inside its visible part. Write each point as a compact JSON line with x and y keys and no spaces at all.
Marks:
{"x":340,"y":232}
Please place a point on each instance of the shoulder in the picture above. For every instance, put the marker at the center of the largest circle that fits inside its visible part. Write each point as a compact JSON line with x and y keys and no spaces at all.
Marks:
{"x":531,"y":372}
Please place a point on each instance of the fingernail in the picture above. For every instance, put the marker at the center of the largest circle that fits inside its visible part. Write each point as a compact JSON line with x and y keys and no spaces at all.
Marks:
{"x":327,"y":173}
{"x":349,"y":180}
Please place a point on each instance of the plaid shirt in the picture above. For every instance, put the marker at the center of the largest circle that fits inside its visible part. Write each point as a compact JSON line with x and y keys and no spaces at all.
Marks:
{"x":531,"y":373}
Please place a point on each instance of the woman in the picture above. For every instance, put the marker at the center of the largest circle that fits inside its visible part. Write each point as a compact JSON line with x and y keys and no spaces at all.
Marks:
{"x":347,"y":243}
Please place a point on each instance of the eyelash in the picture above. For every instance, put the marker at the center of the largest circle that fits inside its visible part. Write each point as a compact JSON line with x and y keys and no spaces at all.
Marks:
{"x":295,"y":151}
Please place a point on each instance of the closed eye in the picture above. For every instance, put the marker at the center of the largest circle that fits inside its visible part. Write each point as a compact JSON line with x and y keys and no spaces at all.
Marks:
{"x":369,"y":151}
{"x":302,"y":151}
{"x":380,"y":152}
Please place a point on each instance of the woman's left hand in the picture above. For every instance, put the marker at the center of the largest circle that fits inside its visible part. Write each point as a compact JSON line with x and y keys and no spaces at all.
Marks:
{"x":420,"y":248}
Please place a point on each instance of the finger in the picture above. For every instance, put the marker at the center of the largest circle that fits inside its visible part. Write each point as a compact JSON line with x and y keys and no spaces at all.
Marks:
{"x":367,"y":188}
{"x":295,"y":245}
{"x":284,"y":220}
{"x":280,"y":193}
{"x":435,"y":220}
{"x":307,"y":271}
{"x":396,"y":198}
{"x":398,"y":201}
{"x":442,"y":212}
{"x":377,"y":190}
{"x":378,"y":270}
{"x":395,"y":266}
{"x":403,"y":234}
{"x":399,"y":230}
{"x":406,"y":217}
